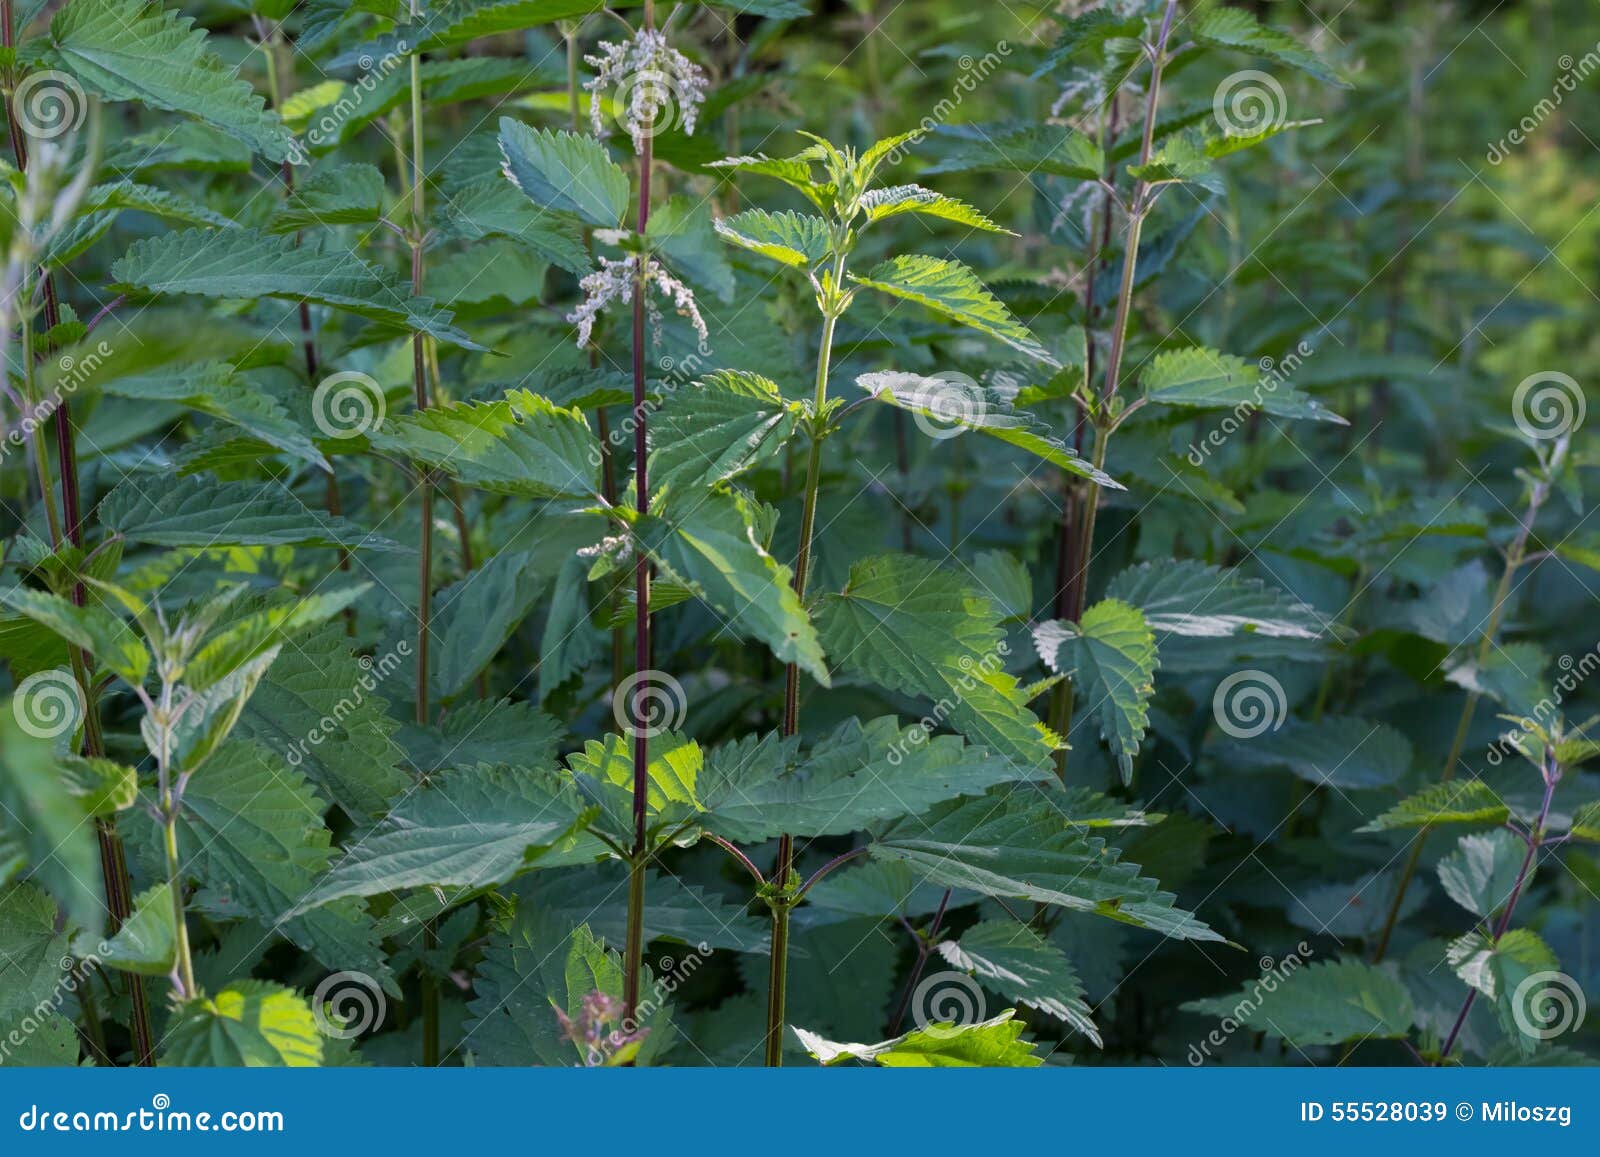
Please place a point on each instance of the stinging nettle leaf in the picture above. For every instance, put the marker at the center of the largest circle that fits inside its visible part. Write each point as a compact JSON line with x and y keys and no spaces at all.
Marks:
{"x":140,"y":51}
{"x":952,"y":290}
{"x":565,"y":172}
{"x":244,"y":263}
{"x":1110,"y":655}
{"x":952,"y":402}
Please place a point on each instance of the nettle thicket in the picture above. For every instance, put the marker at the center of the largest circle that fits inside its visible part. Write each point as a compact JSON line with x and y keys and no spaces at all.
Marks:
{"x":522,"y":555}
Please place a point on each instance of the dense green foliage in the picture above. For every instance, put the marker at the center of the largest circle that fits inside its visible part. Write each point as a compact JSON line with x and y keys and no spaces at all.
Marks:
{"x":543,"y":532}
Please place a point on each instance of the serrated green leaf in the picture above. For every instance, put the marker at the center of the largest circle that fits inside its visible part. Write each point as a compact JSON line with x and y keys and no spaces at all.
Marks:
{"x":952,"y":290}
{"x":1326,"y":1003}
{"x":952,"y":402}
{"x":905,"y":624}
{"x":1238,"y":28}
{"x":896,"y":199}
{"x":565,"y":172}
{"x":858,"y":775}
{"x":707,"y":543}
{"x":1461,"y":801}
{"x":147,"y":942}
{"x":323,"y":709}
{"x":789,"y":238}
{"x":1482,"y":871}
{"x":138,"y":51}
{"x":1110,"y":654}
{"x":989,"y":1044}
{"x":521,"y":445}
{"x":201,"y":512}
{"x":352,"y":194}
{"x":1335,"y":751}
{"x":251,"y":832}
{"x":112,"y":642}
{"x":245,"y":263}
{"x":249,"y":1024}
{"x":717,"y":428}
{"x":473,"y":828}
{"x":1200,"y":378}
{"x":1014,"y":845}
{"x":1015,"y":961}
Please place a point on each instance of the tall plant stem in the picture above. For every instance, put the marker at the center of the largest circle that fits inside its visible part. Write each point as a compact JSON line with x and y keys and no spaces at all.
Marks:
{"x":170,"y":799}
{"x":280,"y":87}
{"x":633,"y":955}
{"x":419,"y":383}
{"x":1516,"y":555}
{"x":608,"y":480}
{"x":780,"y":901}
{"x":113,"y":859}
{"x":1080,"y":554}
{"x":1068,"y":564}
{"x":1534,"y":836}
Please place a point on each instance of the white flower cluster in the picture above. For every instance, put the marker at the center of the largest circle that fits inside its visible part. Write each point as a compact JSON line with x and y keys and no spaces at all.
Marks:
{"x":654,"y":85}
{"x":614,"y":281}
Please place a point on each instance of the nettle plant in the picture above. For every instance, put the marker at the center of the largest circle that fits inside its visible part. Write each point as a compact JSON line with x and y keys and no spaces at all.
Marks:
{"x":508,"y":565}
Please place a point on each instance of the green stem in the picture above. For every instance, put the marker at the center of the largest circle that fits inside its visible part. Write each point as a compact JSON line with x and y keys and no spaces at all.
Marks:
{"x":175,"y":885}
{"x":1516,"y":554}
{"x":633,"y":956}
{"x":778,"y":971}
{"x":419,"y":383}
{"x":1138,"y":208}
